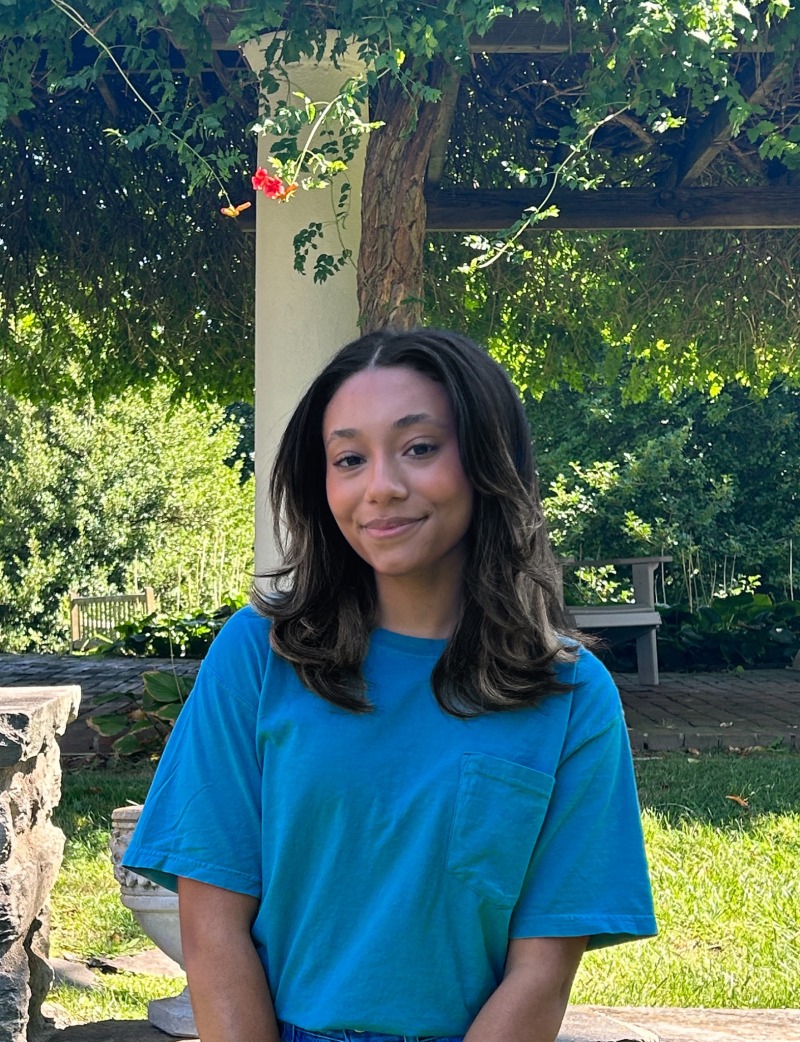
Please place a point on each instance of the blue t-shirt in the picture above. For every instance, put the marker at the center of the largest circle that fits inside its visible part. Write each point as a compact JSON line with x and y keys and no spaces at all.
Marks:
{"x":395,"y":853}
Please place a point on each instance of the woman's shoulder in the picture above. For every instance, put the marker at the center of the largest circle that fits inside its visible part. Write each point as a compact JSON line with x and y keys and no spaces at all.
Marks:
{"x":241,"y":648}
{"x":245,"y":624}
{"x":595,"y":702}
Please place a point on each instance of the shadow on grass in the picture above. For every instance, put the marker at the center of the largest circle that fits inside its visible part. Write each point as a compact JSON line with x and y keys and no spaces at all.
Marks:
{"x":90,"y":795}
{"x":723,"y":789}
{"x":707,"y":788}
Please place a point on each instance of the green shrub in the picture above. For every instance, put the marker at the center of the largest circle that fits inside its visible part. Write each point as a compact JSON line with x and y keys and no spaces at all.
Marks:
{"x":170,"y":636}
{"x":142,"y":727}
{"x":744,"y":632}
{"x":103,"y":500}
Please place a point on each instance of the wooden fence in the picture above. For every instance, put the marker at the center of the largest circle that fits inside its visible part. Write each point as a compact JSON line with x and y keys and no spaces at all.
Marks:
{"x":93,"y":616}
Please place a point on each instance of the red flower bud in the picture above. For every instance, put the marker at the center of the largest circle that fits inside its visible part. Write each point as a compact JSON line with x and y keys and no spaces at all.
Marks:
{"x":271,"y":186}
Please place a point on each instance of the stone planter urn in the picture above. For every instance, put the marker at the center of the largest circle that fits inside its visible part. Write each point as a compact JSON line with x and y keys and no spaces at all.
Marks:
{"x":156,"y":911}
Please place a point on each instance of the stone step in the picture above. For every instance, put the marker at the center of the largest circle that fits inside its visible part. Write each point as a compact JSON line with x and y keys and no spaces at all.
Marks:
{"x":581,"y":1024}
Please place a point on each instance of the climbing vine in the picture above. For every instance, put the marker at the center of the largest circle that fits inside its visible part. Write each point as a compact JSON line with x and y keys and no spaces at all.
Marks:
{"x":128,"y":125}
{"x":181,"y":60}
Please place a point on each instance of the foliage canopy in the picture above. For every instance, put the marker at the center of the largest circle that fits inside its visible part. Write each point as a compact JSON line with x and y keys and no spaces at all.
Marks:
{"x":662,"y":311}
{"x":122,"y":120}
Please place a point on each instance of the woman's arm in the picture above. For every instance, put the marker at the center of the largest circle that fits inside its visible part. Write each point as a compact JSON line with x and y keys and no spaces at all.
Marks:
{"x":529,"y":1004}
{"x":230,"y":995}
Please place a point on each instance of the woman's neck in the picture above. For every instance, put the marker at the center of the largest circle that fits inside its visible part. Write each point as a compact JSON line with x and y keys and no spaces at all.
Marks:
{"x":416,"y":609}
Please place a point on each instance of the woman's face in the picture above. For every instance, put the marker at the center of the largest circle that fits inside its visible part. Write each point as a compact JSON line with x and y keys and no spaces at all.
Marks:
{"x":395,"y":483}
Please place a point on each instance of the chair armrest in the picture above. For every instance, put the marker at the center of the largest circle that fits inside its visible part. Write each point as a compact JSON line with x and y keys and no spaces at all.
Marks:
{"x":643,"y":569}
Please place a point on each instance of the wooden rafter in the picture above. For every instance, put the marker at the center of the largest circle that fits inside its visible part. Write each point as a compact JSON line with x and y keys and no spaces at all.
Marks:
{"x":439,"y":149}
{"x":490,"y":210}
{"x":716,"y":130}
{"x":636,"y":128}
{"x":681,"y":209}
{"x":108,"y":97}
{"x":526,"y":33}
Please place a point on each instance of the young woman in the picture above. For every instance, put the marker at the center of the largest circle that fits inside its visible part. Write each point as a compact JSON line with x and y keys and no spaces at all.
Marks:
{"x":399,"y":803}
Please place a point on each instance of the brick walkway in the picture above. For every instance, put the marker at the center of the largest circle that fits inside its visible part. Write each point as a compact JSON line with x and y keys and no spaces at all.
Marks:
{"x":714,"y":710}
{"x":685,"y":711}
{"x":95,"y":675}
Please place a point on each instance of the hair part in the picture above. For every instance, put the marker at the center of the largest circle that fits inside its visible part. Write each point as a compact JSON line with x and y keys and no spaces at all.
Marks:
{"x":323,"y":598}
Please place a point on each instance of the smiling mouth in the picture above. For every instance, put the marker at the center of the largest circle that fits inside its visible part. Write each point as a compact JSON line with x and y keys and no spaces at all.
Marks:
{"x":390,"y":526}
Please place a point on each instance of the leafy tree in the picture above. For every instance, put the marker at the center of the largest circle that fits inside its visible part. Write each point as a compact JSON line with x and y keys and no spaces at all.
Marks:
{"x":664,"y":312}
{"x":712,"y":481}
{"x":111,"y":272}
{"x":105,"y":499}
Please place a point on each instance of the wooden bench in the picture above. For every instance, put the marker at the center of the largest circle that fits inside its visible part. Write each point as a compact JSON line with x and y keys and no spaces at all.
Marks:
{"x":639,"y":618}
{"x":90,"y":616}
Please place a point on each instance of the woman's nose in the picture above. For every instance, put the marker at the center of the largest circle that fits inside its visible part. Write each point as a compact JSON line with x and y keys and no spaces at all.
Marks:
{"x":385,"y":480}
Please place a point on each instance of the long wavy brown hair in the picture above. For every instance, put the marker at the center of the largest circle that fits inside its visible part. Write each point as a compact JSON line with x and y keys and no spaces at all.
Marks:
{"x":322,"y":600}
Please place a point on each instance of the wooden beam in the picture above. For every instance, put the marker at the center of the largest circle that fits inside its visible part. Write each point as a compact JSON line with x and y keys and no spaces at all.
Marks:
{"x":525,"y":33}
{"x":528,"y":33}
{"x":220,"y":25}
{"x":715,"y":131}
{"x":494,"y":210}
{"x":702,"y":147}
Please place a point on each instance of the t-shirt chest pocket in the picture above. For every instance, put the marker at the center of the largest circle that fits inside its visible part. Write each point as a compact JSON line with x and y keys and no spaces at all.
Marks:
{"x":500,"y":807}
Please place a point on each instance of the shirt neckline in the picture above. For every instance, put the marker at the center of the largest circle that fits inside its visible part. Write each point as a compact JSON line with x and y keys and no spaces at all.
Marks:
{"x":422,"y":646}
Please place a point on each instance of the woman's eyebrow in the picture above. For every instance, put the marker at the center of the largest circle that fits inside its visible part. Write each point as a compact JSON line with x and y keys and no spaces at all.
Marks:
{"x":344,"y":432}
{"x":402,"y":424}
{"x":414,"y":418}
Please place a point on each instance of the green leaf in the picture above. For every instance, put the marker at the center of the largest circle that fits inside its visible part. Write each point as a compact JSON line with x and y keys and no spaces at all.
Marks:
{"x":108,"y":724}
{"x":127,"y":745}
{"x":113,"y":696}
{"x":163,"y":686}
{"x":141,"y":725}
{"x":169,"y":712}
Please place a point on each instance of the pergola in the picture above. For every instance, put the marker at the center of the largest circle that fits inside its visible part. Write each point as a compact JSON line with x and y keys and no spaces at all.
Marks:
{"x":515,"y":78}
{"x":436,"y":167}
{"x":707,"y":174}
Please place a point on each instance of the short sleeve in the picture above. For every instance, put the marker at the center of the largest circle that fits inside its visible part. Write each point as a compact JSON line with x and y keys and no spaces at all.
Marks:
{"x":588,"y":872}
{"x":202,"y":816}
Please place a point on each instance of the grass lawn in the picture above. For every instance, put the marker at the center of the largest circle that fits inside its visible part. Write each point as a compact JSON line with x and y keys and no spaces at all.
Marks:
{"x":88,"y":918}
{"x":725,"y":879}
{"x":725,"y":884}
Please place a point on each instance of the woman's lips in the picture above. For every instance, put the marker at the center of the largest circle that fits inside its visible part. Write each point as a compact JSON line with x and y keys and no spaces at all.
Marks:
{"x":383,"y":527}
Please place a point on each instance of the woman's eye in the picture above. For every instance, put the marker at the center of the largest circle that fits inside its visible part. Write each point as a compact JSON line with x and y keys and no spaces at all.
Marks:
{"x":350,"y":459}
{"x":422,"y":448}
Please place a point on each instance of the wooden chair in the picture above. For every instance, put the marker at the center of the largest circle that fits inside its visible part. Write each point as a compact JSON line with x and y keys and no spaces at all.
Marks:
{"x":639,"y":618}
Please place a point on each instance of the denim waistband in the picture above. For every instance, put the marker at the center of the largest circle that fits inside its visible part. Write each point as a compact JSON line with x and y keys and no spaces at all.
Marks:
{"x":292,"y":1033}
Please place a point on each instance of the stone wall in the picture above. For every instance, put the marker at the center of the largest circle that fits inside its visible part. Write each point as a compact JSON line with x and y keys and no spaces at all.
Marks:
{"x":31,"y":849}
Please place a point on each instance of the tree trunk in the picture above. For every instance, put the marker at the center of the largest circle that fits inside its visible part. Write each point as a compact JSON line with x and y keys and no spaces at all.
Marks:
{"x":393,"y":210}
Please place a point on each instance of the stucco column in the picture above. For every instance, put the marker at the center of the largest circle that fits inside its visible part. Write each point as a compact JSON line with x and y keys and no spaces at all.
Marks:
{"x":299,"y":323}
